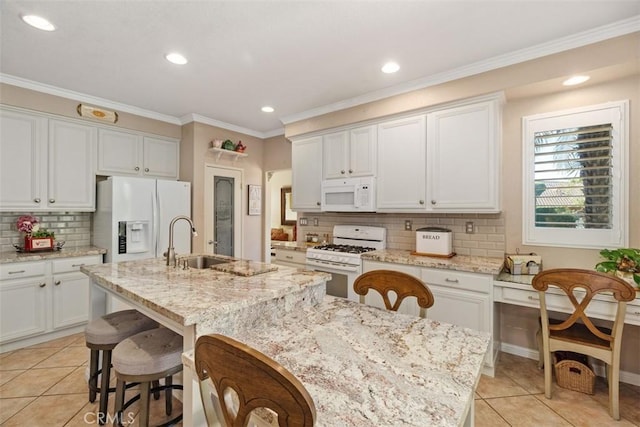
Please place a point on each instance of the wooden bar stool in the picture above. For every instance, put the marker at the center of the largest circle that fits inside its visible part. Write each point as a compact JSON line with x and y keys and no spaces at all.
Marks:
{"x":146,"y":358}
{"x":102,"y":335}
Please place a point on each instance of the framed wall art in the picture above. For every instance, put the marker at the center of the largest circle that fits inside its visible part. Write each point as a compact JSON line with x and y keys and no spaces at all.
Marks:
{"x":255,"y":199}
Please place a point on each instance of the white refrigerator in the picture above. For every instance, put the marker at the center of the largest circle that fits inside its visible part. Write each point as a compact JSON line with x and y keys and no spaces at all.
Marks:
{"x":133,"y":214}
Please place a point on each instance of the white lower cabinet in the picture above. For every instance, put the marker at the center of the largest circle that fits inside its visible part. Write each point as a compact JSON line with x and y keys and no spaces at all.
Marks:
{"x":461,"y":298}
{"x":23,"y":308}
{"x":296,"y":259}
{"x":43,"y":300}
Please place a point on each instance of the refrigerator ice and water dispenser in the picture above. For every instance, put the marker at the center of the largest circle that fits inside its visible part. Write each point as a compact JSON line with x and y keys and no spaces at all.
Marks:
{"x":133,"y":237}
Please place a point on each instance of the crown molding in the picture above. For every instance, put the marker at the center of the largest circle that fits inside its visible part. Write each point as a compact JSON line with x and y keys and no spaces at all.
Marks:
{"x":81,"y":97}
{"x":616,"y":29}
{"x":228,"y":126}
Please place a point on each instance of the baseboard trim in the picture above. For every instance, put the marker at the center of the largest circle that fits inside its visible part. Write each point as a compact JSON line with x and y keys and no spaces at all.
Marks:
{"x":625,"y":377}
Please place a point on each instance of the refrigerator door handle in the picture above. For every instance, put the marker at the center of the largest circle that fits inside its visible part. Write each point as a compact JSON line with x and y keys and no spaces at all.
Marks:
{"x":156,"y":223}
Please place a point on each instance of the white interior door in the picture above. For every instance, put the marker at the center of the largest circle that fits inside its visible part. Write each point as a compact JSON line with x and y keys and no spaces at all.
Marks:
{"x":223,"y":211}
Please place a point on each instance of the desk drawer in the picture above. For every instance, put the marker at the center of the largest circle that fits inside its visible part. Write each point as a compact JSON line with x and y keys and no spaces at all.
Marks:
{"x":18,"y":270}
{"x":458,"y":280}
{"x":67,"y":265}
{"x":598,"y":308}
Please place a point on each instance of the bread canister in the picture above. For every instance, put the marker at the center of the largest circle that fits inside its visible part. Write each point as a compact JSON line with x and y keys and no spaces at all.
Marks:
{"x":434,"y":241}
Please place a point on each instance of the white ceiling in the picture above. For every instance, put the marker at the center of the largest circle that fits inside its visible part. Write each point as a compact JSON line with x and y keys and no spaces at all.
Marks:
{"x":301,"y":57}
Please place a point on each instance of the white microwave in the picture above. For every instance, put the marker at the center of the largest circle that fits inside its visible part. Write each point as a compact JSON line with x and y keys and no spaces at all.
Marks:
{"x":348,"y":195}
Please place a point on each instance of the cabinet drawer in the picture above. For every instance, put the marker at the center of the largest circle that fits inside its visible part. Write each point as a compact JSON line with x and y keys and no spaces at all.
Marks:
{"x":297,"y":257}
{"x":457,"y":280}
{"x":67,"y":265}
{"x":18,"y":270}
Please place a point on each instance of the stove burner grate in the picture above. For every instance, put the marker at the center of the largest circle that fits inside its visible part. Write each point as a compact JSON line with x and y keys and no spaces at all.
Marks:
{"x":351,"y":249}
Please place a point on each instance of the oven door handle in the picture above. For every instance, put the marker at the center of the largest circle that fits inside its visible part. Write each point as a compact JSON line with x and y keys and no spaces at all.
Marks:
{"x":331,"y":265}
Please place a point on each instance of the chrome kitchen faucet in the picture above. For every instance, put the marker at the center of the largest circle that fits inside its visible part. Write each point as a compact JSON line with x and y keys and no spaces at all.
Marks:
{"x":171,"y":253}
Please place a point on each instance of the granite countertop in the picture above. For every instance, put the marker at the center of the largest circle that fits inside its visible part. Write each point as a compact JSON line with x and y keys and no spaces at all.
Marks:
{"x":196,"y":296}
{"x":369,"y":367}
{"x":8,"y":257}
{"x":473,"y":264}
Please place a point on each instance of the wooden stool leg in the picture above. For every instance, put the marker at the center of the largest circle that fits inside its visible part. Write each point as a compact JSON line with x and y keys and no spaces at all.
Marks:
{"x":93,"y":378}
{"x":168,"y":396}
{"x":156,"y":394}
{"x":143,"y":417}
{"x":120,"y":388}
{"x":104,"y":387}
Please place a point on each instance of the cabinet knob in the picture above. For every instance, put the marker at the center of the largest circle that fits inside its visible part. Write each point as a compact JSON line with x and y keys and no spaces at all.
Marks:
{"x":318,"y":203}
{"x":350,"y":170}
{"x":136,"y":168}
{"x":37,"y":200}
{"x":433,"y":202}
{"x":42,"y":285}
{"x":210,"y":242}
{"x":342,"y":172}
{"x":52,"y":200}
{"x":57,"y":282}
{"x":146,"y":169}
{"x":421,"y":202}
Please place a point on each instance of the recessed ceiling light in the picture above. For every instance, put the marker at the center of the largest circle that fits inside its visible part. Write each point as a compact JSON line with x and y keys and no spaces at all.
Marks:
{"x":575,"y":80}
{"x":390,"y":67}
{"x":176,"y":58}
{"x":38,"y":22}
{"x":267,"y":109}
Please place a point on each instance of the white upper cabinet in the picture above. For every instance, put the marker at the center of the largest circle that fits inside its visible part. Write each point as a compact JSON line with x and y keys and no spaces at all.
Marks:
{"x":349,"y":153}
{"x":161,"y":157}
{"x":71,"y":183}
{"x":401,"y":164}
{"x":47,"y":164}
{"x":23,"y":160}
{"x":119,"y":153}
{"x":306,"y":174}
{"x":463,"y":149}
{"x":132,"y":154}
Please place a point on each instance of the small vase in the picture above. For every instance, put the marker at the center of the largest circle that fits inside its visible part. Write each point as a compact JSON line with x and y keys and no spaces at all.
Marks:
{"x":627,"y":277}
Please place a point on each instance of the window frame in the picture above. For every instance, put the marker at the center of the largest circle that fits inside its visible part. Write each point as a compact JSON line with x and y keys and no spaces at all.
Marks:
{"x":616,"y":113}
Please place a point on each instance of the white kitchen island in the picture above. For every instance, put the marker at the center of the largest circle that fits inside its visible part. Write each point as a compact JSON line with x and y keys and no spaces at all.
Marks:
{"x":361,"y":365}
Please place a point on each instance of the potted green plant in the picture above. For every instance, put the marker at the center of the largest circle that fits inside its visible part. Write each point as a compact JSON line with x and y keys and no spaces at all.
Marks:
{"x":624,"y":263}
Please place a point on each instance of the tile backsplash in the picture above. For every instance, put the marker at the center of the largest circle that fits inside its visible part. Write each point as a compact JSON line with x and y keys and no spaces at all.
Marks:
{"x":488,"y":238}
{"x":72,"y":227}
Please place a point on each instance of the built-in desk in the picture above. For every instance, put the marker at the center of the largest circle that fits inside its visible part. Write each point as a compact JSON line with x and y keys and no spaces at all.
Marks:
{"x":517,"y":290}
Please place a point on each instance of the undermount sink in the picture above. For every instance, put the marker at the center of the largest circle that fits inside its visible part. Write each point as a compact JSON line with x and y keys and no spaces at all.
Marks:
{"x":204,"y":261}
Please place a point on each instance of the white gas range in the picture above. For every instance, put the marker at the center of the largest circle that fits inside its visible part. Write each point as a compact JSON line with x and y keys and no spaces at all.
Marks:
{"x":342,"y":257}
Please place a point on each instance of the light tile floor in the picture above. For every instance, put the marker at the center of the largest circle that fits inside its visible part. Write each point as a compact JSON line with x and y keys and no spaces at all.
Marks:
{"x":44,"y":385}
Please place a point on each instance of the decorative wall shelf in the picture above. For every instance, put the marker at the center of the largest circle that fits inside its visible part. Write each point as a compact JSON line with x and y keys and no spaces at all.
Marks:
{"x":219,"y":152}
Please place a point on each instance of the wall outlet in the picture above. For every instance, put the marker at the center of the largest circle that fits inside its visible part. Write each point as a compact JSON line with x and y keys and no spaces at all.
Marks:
{"x":408,"y":225}
{"x":468,"y":227}
{"x":303,"y":221}
{"x":315,"y":222}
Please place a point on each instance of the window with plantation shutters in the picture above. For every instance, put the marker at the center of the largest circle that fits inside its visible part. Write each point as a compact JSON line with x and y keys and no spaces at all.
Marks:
{"x":575,"y":191}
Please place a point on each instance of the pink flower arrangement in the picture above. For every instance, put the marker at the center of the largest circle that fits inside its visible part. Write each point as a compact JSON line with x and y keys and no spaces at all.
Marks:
{"x":26,"y":224}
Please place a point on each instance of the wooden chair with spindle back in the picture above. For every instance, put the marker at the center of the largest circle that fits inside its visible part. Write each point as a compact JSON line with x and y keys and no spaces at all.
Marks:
{"x":226,"y":366}
{"x":584,"y":337}
{"x":402,"y":284}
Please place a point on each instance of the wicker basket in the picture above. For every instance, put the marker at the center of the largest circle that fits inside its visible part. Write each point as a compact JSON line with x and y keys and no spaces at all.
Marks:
{"x":575,"y":376}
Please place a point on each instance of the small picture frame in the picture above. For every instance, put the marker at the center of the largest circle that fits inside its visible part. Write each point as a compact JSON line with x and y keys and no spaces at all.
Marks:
{"x":255,"y":199}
